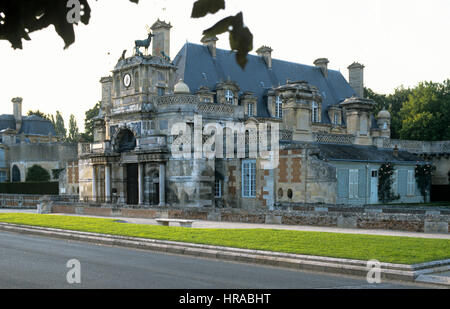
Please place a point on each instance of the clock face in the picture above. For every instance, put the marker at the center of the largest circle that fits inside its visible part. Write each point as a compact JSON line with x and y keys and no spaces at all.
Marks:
{"x":127,"y":80}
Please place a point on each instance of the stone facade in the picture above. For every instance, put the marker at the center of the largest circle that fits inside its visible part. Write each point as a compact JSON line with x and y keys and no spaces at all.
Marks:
{"x":156,"y":113}
{"x":30,"y":140}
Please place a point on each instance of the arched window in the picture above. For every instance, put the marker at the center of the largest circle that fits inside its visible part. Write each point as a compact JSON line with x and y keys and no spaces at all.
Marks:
{"x":15,"y":174}
{"x":315,"y":112}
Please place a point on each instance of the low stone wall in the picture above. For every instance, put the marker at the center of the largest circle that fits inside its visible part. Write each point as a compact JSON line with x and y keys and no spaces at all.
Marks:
{"x":421,"y":219}
{"x":22,"y":201}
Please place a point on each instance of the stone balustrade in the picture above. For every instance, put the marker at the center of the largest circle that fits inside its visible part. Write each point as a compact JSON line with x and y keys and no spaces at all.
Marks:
{"x":419,"y":147}
{"x":340,"y":139}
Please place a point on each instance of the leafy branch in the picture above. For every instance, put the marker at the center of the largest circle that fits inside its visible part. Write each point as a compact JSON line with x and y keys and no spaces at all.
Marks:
{"x":19,"y":18}
{"x":241,"y":39}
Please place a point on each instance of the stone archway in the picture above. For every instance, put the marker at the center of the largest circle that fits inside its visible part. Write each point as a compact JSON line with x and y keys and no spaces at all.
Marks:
{"x":125,"y":141}
{"x":15,"y":175}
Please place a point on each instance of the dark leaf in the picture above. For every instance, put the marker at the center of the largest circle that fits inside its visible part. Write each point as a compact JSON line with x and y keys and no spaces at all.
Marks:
{"x":241,"y":39}
{"x":21,"y":17}
{"x":203,"y":7}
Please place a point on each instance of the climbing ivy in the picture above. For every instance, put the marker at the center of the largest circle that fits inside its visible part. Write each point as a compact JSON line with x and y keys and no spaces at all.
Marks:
{"x":423,"y":173}
{"x":385,"y":182}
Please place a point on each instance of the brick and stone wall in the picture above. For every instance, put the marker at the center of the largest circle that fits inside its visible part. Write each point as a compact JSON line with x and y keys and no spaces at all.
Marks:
{"x":411,"y":219}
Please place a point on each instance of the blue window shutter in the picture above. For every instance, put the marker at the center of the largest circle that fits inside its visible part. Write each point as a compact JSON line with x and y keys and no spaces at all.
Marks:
{"x":402,"y":182}
{"x":362,"y":183}
{"x":343,"y":178}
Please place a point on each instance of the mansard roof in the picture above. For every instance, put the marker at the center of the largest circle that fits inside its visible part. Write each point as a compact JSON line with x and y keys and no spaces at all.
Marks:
{"x":31,"y":125}
{"x":198,"y":68}
{"x":359,"y":153}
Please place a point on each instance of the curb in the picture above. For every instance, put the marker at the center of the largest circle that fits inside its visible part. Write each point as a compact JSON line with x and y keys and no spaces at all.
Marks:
{"x":421,"y":273}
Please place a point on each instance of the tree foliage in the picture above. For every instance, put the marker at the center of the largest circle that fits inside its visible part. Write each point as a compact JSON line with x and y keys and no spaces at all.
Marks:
{"x":74,"y":133}
{"x":419,"y":113}
{"x":423,"y":174}
{"x":37,"y":173}
{"x":39,"y":114}
{"x":392,"y":103}
{"x":88,"y":135}
{"x":385,"y":182}
{"x":58,"y":124}
{"x":19,"y":18}
{"x":426,"y":116}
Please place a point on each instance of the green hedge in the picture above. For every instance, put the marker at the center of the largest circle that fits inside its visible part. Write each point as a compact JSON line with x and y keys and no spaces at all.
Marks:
{"x":32,"y":188}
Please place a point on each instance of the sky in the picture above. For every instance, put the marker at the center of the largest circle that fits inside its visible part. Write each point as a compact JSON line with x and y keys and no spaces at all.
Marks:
{"x":401,"y":42}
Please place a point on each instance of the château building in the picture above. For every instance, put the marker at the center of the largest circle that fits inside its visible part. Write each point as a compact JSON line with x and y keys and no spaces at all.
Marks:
{"x":321,"y":132}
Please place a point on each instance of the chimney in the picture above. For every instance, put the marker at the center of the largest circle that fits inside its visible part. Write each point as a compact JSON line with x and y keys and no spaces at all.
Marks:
{"x":395,"y":151}
{"x":322,"y":63}
{"x":17,"y":110}
{"x":356,"y":78}
{"x":266,"y":53}
{"x":210,"y":42}
{"x":161,"y":39}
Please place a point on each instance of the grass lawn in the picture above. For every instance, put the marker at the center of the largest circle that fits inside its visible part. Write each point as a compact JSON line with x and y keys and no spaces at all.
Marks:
{"x":403,"y":250}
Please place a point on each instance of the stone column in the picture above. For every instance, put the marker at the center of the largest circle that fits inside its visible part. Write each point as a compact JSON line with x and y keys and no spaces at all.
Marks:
{"x":162,"y":185}
{"x":141,"y":183}
{"x":108,"y":183}
{"x":94,"y":184}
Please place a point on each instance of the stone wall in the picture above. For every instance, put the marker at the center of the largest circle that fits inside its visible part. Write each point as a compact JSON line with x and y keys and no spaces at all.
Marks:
{"x":417,"y":219}
{"x":16,"y":201}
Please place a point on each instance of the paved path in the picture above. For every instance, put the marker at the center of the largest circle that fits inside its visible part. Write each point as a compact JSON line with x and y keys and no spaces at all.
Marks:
{"x":40,"y":262}
{"x":232,"y":225}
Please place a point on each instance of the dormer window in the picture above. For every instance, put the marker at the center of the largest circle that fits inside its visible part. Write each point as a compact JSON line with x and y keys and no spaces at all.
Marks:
{"x":278,"y":108}
{"x":315,"y":112}
{"x":161,"y":91}
{"x":207,"y":100}
{"x":251,"y":109}
{"x":229,"y":96}
{"x":336,"y":118}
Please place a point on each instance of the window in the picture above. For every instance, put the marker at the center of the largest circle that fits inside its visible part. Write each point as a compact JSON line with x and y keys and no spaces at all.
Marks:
{"x":161,"y":91}
{"x":117,"y":86}
{"x":249,"y":179}
{"x":363,"y":126}
{"x":207,"y":100}
{"x":353,"y":184}
{"x":336,"y":118}
{"x":3,"y":176}
{"x":218,"y":188}
{"x":250,"y":109}
{"x":278,"y":108}
{"x":395,"y":182}
{"x":229,"y":96}
{"x":411,"y":183}
{"x":136,"y":81}
{"x":315,"y":112}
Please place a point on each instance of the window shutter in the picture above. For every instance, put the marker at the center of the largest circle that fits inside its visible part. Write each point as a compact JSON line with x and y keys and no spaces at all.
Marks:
{"x":343,"y":183}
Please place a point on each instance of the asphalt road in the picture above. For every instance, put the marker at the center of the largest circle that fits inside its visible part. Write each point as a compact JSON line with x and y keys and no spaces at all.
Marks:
{"x":36,"y":262}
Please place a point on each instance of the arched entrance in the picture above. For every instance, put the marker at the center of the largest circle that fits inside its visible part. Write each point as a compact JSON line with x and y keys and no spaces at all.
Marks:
{"x":15,"y":174}
{"x":125,"y":141}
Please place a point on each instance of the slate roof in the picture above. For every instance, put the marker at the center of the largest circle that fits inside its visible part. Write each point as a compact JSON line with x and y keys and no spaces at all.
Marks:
{"x":198,"y":68}
{"x":31,"y":125}
{"x":333,"y":152}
